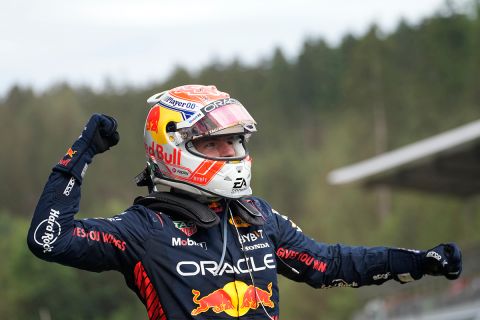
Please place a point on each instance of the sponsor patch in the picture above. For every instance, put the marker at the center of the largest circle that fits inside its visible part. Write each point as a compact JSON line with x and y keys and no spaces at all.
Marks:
{"x":240,"y":183}
{"x":434,"y":255}
{"x":303,"y":257}
{"x":181,"y":104}
{"x":210,"y":268}
{"x":179,"y":242}
{"x":218,"y":104}
{"x":48,"y":231}
{"x":69,"y":187}
{"x":235,"y":299}
{"x":67,"y":157}
{"x":71,"y":152}
{"x":251,"y":236}
{"x":189,"y":228}
{"x":84,"y":170}
{"x":256,"y":246}
{"x":155,"y":150}
{"x":382,"y":276}
{"x":100,"y":236}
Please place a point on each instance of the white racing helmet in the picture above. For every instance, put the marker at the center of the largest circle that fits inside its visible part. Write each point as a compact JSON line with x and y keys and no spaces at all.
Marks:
{"x":183,"y":114}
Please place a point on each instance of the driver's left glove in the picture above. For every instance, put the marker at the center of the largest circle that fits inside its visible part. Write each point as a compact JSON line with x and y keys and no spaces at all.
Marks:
{"x":443,"y":260}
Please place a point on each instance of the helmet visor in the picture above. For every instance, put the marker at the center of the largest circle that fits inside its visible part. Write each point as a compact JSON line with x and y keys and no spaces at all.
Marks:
{"x":215,"y":147}
{"x":224,"y":116}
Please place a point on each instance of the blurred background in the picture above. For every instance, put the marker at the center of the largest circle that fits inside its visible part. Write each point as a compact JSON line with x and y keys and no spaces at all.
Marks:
{"x":329,"y":84}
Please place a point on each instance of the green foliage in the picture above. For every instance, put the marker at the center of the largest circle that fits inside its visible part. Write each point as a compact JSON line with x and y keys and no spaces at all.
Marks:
{"x":32,"y":287}
{"x":328,"y":108}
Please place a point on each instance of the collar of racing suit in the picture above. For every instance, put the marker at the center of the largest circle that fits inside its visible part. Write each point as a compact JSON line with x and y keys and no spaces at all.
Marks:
{"x":204,"y":215}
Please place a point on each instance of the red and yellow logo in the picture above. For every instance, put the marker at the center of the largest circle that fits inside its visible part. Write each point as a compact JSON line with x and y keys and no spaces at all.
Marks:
{"x":238,"y":222}
{"x":235,"y":299}
{"x":67,"y":157}
{"x":156,"y":121}
{"x":71,"y":152}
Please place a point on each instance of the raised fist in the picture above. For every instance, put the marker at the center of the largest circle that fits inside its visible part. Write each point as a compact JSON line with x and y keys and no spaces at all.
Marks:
{"x":443,"y":260}
{"x":101,"y":132}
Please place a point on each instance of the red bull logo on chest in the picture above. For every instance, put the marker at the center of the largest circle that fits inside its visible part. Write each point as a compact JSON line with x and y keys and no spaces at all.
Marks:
{"x":235,"y":299}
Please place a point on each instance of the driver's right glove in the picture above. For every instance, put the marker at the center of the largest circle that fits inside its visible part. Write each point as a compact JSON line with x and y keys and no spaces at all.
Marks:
{"x":100,"y":133}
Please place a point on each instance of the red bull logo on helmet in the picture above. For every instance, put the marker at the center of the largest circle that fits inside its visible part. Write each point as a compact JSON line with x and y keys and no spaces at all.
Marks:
{"x":235,"y":299}
{"x":156,"y":150}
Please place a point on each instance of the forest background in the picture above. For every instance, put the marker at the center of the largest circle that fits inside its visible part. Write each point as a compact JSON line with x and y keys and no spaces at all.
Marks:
{"x":328,"y":107}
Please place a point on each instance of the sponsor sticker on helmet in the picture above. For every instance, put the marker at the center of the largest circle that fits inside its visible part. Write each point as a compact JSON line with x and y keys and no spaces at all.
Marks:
{"x":239,"y":185}
{"x":177,"y":103}
{"x":218,"y":104}
{"x":184,"y":173}
{"x":157,"y":151}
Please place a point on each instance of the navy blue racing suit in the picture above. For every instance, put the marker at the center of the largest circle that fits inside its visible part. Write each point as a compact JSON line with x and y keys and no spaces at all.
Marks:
{"x":181,"y":271}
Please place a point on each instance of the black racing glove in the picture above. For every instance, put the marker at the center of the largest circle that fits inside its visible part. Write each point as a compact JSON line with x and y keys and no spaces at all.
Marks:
{"x":443,"y":260}
{"x":99,"y":134}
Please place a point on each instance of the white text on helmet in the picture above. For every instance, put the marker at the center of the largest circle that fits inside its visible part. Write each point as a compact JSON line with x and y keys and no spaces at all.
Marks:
{"x":218,"y":104}
{"x":175,"y":103}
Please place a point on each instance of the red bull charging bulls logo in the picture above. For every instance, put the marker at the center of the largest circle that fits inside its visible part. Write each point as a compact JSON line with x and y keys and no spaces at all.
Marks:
{"x":235,"y":299}
{"x":68,"y":157}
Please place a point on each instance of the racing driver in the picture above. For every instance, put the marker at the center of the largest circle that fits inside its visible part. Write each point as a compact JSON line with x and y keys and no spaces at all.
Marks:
{"x":206,"y":248}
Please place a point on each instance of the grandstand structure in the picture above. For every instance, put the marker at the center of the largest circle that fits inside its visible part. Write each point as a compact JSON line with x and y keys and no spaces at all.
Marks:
{"x":449,"y":164}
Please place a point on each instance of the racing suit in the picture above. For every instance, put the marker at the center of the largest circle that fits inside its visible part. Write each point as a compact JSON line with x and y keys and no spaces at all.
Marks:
{"x":182,"y":271}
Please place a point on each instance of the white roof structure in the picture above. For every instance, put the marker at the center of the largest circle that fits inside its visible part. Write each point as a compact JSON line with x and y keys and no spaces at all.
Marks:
{"x":448,"y":162}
